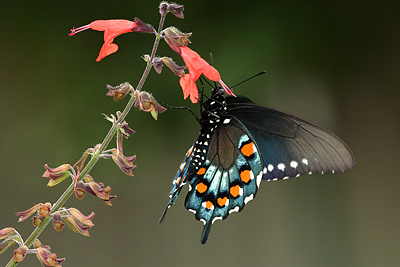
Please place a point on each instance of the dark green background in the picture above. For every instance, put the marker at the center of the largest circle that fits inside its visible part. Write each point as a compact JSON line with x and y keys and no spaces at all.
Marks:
{"x":335,"y":63}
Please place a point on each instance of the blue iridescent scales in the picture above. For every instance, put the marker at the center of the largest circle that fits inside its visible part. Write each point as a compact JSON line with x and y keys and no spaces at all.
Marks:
{"x":239,"y":145}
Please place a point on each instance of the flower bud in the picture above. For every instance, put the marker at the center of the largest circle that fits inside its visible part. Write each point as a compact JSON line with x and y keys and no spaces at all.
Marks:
{"x":175,"y":68}
{"x":163,"y":8}
{"x":27,"y":213}
{"x":176,"y":9}
{"x":81,"y":162}
{"x":6,"y":232}
{"x":158,"y":64}
{"x":142,"y":27}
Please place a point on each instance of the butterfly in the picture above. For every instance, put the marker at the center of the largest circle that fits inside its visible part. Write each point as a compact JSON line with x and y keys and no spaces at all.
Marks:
{"x":240,"y":144}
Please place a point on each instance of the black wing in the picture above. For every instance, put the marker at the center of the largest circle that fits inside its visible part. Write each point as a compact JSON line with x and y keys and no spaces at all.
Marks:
{"x":291,"y":146}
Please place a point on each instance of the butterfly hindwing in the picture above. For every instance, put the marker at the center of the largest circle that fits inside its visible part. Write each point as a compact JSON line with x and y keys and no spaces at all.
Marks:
{"x":228,"y":179}
{"x":179,"y":181}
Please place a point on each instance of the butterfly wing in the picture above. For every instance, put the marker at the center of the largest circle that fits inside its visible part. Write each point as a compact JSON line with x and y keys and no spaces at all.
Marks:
{"x":291,"y":146}
{"x":179,"y":181}
{"x":229,"y":177}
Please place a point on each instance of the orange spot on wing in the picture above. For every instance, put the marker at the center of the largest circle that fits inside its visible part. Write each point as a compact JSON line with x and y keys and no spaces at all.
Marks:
{"x":248,"y":149}
{"x":235,"y":190}
{"x":201,"y":188}
{"x":245,"y":176}
{"x":183,"y":166}
{"x":189,"y":152}
{"x":201,"y":171}
{"x":209,"y":205}
{"x":178,"y":180}
{"x":222,"y":201}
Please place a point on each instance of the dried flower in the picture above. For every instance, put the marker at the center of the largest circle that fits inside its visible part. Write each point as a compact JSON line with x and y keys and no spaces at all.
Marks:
{"x":124,"y":163}
{"x":147,"y":102}
{"x":6,"y":232}
{"x":57,"y":222}
{"x":120,"y":91}
{"x":176,"y":9}
{"x":10,"y":236}
{"x":81,"y":162}
{"x":158,"y":64}
{"x":37,"y":220}
{"x":20,"y":253}
{"x":27,"y":213}
{"x":76,"y":226}
{"x":175,"y":68}
{"x":113,"y":28}
{"x":58,"y":174}
{"x":45,"y":209}
{"x":47,"y":258}
{"x":176,"y":39}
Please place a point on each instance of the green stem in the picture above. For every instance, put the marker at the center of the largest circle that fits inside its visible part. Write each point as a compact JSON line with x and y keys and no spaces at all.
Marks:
{"x":110,"y":135}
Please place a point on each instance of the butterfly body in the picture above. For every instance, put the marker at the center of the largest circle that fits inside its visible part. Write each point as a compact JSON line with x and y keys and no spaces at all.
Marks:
{"x":239,"y":145}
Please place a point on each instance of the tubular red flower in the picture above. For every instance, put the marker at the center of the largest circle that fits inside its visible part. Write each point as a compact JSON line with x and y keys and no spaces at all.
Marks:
{"x":113,"y":28}
{"x":197,"y":66}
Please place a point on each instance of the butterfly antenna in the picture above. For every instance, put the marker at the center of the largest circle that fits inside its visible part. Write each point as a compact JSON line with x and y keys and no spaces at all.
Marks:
{"x":187,"y":108}
{"x":258,"y":74}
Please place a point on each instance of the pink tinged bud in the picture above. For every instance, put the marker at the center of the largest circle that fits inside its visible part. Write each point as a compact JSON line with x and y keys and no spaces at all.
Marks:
{"x":20,"y":253}
{"x":29,"y":212}
{"x":86,"y":220}
{"x":58,"y":174}
{"x":58,"y":224}
{"x":76,"y":226}
{"x":46,"y":257}
{"x":9,"y":235}
{"x":163,"y":8}
{"x":176,"y":9}
{"x":143,"y":27}
{"x":80,"y":164}
{"x":6,"y":232}
{"x":175,"y":68}
{"x":124,"y":163}
{"x":120,"y":91}
{"x":158,"y":64}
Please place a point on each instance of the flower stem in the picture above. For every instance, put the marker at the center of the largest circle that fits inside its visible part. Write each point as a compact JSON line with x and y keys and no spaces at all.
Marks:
{"x":95,"y":158}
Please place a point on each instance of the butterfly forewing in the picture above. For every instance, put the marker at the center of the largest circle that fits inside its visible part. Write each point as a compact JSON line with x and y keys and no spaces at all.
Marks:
{"x":291,"y":146}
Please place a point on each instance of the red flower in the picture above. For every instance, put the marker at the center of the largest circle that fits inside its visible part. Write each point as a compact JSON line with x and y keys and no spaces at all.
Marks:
{"x":113,"y":28}
{"x":197,"y":66}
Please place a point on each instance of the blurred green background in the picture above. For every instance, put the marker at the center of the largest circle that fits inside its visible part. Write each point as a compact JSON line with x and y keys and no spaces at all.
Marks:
{"x":334,"y":63}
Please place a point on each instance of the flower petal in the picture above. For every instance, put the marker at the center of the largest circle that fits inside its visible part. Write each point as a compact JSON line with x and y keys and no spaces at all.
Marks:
{"x":107,"y":49}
